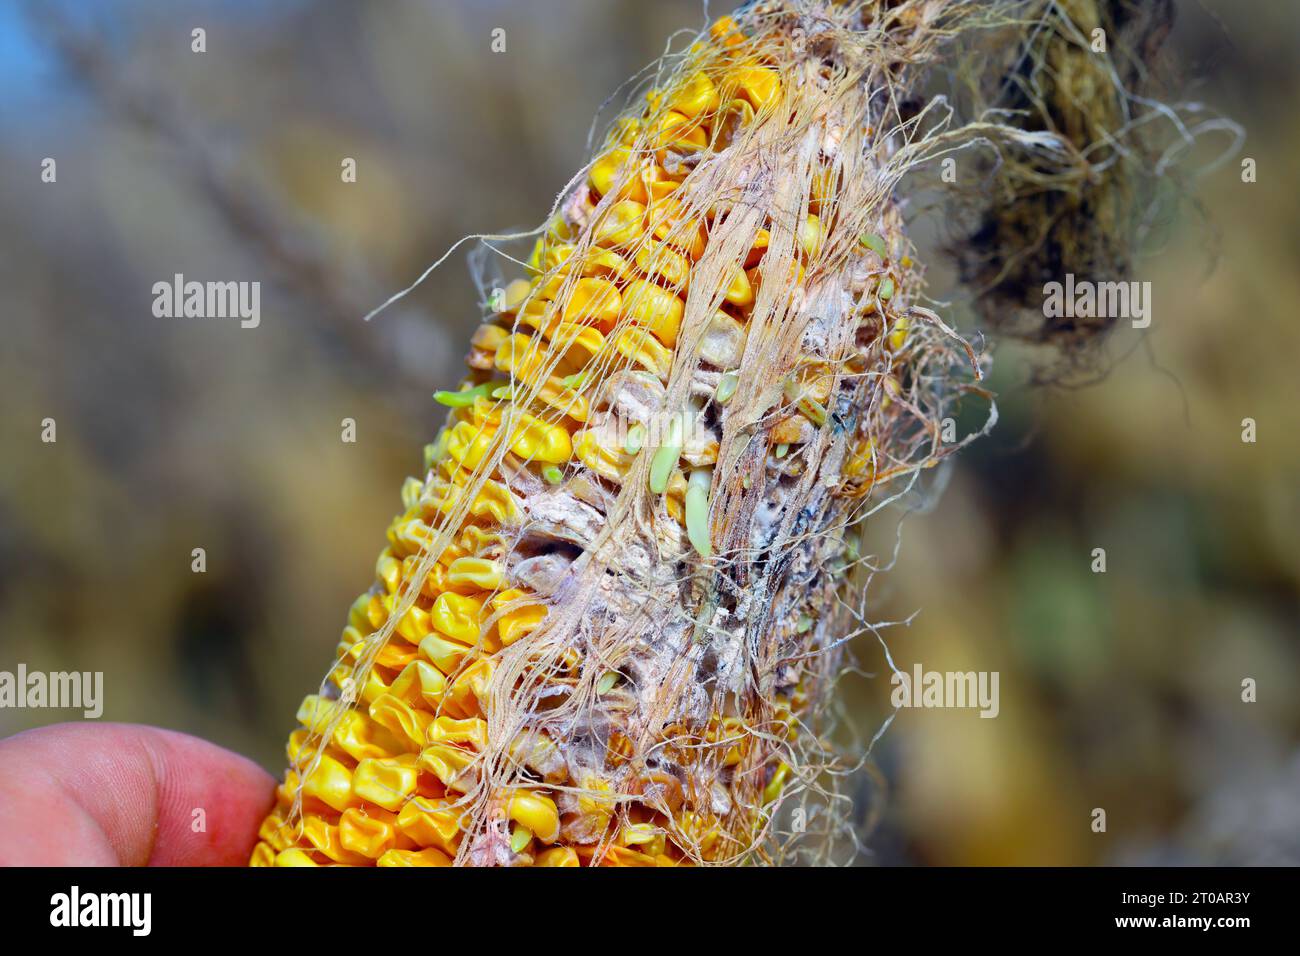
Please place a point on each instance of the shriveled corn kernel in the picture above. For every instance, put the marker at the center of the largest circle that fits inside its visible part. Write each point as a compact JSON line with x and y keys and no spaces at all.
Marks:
{"x":294,"y":857}
{"x":536,"y":440}
{"x":431,"y":823}
{"x":426,"y":857}
{"x":640,"y":346}
{"x":520,"y":620}
{"x":458,"y":616}
{"x":479,"y":573}
{"x":420,"y":680}
{"x":516,"y":291}
{"x":369,"y":833}
{"x":467,"y":731}
{"x":385,"y":782}
{"x":331,"y":783}
{"x":399,"y":718}
{"x":898,"y":335}
{"x":452,"y":765}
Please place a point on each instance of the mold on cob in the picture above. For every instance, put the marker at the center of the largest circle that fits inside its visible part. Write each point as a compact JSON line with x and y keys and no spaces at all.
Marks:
{"x":608,"y":618}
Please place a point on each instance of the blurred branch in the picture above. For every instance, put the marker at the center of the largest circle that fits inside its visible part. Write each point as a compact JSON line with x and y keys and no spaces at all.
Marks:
{"x":340,"y":295}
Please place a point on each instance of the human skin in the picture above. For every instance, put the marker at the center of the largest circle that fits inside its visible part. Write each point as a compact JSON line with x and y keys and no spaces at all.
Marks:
{"x":126,"y":795}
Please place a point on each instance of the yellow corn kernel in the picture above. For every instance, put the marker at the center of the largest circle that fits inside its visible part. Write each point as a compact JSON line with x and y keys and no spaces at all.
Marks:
{"x":558,"y":856}
{"x":426,"y":857}
{"x":475,"y":573}
{"x":494,"y":500}
{"x":656,"y":259}
{"x":419,"y":681}
{"x":324,"y":838}
{"x":522,"y":356}
{"x":600,"y":455}
{"x":741,"y":290}
{"x":444,"y":653}
{"x":758,"y":84}
{"x":612,"y":170}
{"x":861,"y":460}
{"x":430,"y":823}
{"x":367,"y":832}
{"x":655,"y":308}
{"x":698,"y":95}
{"x":400,"y":719}
{"x":264,"y":855}
{"x":294,"y":857}
{"x":669,"y":223}
{"x":536,"y":440}
{"x":625,"y":131}
{"x":640,"y":347}
{"x":413,"y":625}
{"x":386,"y":782}
{"x":651,"y":839}
{"x":678,"y":131}
{"x":516,"y":291}
{"x":620,"y":224}
{"x":469,"y":443}
{"x":565,"y":400}
{"x":468,"y":693}
{"x":726,"y":31}
{"x":536,"y":812}
{"x":515,"y":623}
{"x":468,"y":731}
{"x":594,"y":302}
{"x":570,"y":338}
{"x":898,"y":335}
{"x":330,"y":783}
{"x":274,"y":832}
{"x":458,"y":616}
{"x":452,"y":765}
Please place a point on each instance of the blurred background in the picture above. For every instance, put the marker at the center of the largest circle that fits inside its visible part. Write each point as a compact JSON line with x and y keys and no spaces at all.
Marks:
{"x":1119,"y":690}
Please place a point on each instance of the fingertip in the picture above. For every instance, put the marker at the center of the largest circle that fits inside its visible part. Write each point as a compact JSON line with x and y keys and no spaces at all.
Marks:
{"x":125,"y":794}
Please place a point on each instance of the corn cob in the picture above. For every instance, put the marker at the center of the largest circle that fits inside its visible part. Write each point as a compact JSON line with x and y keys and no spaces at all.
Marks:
{"x":609,"y":613}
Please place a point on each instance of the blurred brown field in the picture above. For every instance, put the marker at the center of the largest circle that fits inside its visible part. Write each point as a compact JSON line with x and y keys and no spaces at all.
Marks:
{"x":1119,"y":690}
